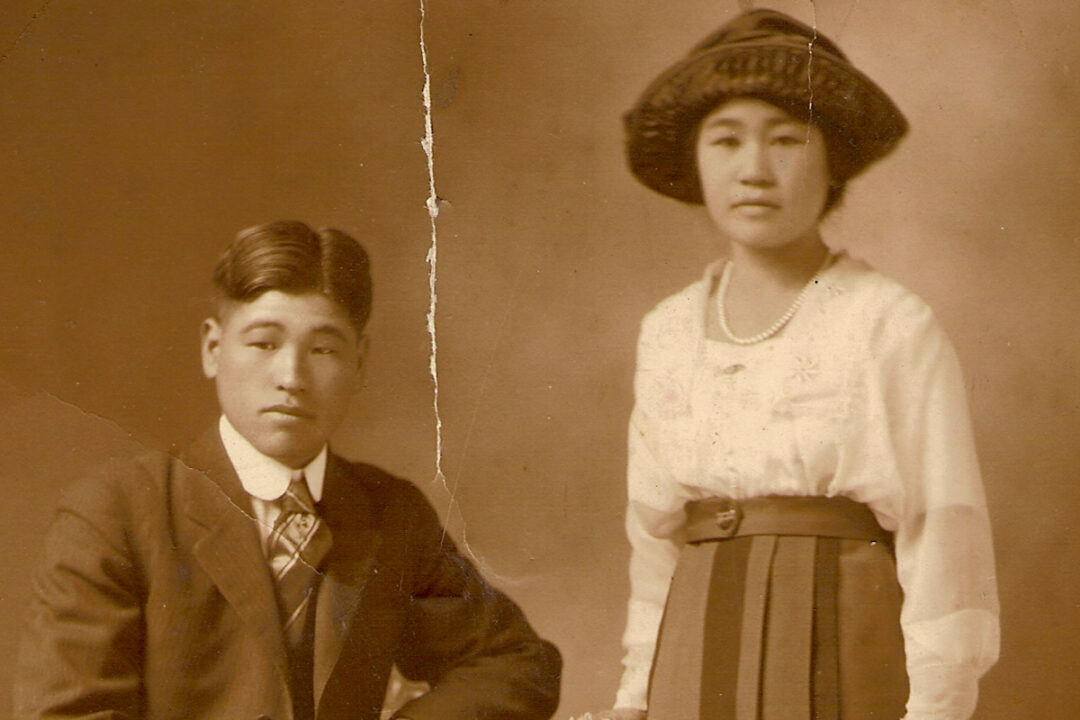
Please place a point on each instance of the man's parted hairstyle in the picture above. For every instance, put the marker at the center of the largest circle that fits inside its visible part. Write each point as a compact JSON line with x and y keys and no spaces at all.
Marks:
{"x":290,"y":257}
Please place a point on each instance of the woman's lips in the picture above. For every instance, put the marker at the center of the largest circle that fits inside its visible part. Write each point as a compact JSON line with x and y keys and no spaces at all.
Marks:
{"x":755,"y":208}
{"x":755,"y":203}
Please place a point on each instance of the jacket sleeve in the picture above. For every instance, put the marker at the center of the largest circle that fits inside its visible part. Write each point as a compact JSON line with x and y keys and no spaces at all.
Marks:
{"x":81,"y":650}
{"x":468,"y":640}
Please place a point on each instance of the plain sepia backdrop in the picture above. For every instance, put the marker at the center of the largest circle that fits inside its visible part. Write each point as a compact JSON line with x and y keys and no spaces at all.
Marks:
{"x":136,"y":138}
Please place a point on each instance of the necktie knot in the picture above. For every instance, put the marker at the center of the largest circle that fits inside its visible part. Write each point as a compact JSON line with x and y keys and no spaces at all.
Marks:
{"x":297,"y":497}
{"x":298,"y":543}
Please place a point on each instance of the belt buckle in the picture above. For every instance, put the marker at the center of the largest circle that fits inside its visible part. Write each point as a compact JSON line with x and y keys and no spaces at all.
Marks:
{"x":727,"y":518}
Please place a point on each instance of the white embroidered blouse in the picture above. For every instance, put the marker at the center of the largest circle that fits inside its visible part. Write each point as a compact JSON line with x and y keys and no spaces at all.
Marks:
{"x":859,"y":396}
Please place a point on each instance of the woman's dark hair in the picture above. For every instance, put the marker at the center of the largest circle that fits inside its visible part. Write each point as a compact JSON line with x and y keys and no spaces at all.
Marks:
{"x":291,"y":257}
{"x":770,"y":56}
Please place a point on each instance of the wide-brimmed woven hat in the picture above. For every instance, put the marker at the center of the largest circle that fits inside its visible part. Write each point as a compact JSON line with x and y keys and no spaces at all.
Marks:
{"x":767,"y":55}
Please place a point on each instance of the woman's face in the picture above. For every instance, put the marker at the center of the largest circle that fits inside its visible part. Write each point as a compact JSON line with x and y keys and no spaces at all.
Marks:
{"x":764,"y":174}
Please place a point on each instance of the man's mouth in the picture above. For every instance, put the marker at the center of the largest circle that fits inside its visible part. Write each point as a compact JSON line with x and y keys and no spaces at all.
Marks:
{"x":290,"y":410}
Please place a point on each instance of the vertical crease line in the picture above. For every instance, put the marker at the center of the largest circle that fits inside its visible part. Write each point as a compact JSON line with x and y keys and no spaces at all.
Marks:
{"x":428,"y":143}
{"x":429,"y":149}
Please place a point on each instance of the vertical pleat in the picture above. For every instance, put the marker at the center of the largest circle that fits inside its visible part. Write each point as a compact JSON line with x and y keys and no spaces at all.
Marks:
{"x":789,"y":631}
{"x":826,"y":661}
{"x":676,"y":682}
{"x":755,"y":607}
{"x":873,"y":676}
{"x":781,"y":628}
{"x":723,"y":629}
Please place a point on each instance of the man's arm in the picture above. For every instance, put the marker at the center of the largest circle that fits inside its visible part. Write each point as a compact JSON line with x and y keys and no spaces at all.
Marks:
{"x":470,"y":641}
{"x":81,"y":650}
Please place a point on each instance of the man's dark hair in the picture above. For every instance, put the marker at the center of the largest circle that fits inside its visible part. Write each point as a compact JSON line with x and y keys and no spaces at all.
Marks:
{"x":290,"y":257}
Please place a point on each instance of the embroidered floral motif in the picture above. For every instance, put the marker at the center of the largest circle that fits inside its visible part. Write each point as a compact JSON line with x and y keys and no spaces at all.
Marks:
{"x":805,"y":369}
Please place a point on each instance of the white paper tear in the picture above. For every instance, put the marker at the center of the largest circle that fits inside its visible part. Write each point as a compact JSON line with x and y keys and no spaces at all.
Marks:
{"x":810,"y":74}
{"x":428,"y":143}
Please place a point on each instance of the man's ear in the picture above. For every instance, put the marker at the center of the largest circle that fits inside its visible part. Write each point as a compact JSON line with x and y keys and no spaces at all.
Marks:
{"x":362,"y":346}
{"x":210,"y":343}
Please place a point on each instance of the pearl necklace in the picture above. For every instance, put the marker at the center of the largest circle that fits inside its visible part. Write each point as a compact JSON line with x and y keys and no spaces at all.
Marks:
{"x":780,"y":321}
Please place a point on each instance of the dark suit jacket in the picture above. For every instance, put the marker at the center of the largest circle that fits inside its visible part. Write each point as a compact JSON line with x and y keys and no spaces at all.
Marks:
{"x":154,"y":601}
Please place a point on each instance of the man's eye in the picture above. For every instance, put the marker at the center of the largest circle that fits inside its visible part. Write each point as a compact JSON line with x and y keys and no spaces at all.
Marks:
{"x":323,"y":350}
{"x":261,"y":344}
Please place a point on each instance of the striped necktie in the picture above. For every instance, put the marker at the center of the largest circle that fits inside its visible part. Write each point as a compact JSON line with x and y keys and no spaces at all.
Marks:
{"x":298,"y":543}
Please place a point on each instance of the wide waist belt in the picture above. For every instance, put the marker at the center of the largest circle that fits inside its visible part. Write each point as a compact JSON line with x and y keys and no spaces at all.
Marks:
{"x":838,"y":517}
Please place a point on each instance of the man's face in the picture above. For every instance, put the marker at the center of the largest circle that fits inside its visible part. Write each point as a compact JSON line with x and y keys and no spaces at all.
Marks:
{"x":286,"y":367}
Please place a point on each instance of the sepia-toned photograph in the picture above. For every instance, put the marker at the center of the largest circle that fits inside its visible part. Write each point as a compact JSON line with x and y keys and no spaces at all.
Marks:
{"x":525,"y":359}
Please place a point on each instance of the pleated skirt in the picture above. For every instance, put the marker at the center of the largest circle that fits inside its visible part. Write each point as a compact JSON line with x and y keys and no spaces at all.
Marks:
{"x":780,"y":627}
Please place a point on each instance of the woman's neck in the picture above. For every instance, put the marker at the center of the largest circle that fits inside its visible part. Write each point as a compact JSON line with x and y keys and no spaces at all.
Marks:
{"x":765,"y":270}
{"x":763,"y":284}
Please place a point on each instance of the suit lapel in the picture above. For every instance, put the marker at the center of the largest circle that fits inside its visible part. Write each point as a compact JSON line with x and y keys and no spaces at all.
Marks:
{"x":348,"y":512}
{"x":334,"y":610}
{"x":230,"y":552}
{"x":229,"y":549}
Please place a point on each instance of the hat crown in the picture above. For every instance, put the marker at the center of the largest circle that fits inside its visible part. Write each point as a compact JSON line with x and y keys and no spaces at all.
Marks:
{"x":766,"y":27}
{"x":767,"y":55}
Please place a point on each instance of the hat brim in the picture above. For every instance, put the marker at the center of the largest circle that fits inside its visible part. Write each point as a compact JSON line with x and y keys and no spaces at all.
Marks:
{"x":861,"y":122}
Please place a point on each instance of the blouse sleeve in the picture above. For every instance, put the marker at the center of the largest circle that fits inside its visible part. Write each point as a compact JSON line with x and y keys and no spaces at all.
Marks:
{"x":655,"y":512}
{"x":944,"y":554}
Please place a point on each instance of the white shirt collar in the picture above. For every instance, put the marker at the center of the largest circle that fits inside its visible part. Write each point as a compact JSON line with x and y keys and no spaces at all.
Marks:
{"x":262,"y":476}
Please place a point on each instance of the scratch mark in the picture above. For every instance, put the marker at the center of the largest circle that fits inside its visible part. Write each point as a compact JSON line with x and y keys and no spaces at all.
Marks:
{"x":1017,"y":20}
{"x":810,"y":61}
{"x":143,"y":449}
{"x":26,"y":28}
{"x":499,"y":335}
{"x":112,"y":424}
{"x":809,"y":76}
{"x":847,"y":18}
{"x":481,"y":392}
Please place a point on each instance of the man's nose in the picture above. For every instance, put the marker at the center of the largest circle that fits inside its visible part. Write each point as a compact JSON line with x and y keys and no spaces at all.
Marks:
{"x":289,"y":370}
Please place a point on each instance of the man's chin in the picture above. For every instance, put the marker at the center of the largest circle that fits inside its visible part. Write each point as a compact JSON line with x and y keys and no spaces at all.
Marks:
{"x":295,"y":449}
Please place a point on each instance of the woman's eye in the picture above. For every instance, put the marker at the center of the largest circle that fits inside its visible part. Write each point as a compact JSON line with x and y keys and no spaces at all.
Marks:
{"x":725,"y":141}
{"x":788,"y":140}
{"x":261,"y":344}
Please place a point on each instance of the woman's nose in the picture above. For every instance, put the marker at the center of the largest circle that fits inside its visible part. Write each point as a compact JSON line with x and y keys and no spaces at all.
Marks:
{"x":755,"y":167}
